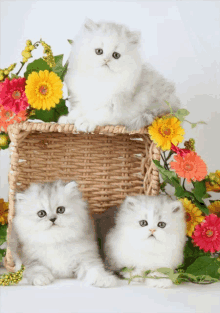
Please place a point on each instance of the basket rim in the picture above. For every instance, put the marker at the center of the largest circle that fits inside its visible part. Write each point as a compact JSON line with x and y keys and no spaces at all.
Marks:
{"x":70,"y":128}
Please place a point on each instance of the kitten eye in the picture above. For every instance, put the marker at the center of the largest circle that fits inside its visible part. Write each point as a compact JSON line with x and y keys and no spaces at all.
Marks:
{"x":41,"y":213}
{"x":116,"y":55}
{"x":143,"y":223}
{"x":99,"y":51}
{"x":60,"y":210}
{"x":161,"y":224}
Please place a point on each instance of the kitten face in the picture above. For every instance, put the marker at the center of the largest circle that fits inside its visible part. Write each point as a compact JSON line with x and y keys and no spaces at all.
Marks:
{"x":107,"y":48}
{"x":50,"y":210}
{"x":152,"y":219}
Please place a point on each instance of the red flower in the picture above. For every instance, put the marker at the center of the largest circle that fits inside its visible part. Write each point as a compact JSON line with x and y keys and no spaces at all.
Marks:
{"x":181,"y":152}
{"x":191,"y":166}
{"x":12,"y":95}
{"x":207,"y":234}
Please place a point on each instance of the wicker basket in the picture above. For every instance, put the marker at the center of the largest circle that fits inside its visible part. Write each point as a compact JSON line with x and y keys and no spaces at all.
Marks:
{"x":107,"y":164}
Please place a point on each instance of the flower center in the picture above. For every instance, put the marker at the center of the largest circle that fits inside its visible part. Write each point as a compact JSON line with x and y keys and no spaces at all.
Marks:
{"x":16,"y":94}
{"x":188,"y":217}
{"x":43,"y":89}
{"x":188,"y":167}
{"x":209,"y":233}
{"x":165,"y":131}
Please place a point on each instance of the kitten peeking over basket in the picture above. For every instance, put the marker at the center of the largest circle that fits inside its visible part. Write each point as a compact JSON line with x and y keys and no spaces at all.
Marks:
{"x":52,"y":235}
{"x":149,"y":232}
{"x":110,"y":84}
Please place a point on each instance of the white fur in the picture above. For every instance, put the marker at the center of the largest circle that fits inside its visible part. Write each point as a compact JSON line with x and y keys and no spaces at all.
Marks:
{"x":129,"y":245}
{"x":124,"y":92}
{"x":66,"y":249}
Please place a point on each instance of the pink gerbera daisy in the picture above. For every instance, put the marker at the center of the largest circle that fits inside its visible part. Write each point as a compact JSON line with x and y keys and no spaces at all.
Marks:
{"x":207,"y":234}
{"x":12,"y":95}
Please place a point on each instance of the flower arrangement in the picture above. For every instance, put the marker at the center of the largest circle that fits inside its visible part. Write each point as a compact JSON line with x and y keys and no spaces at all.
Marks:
{"x":36,"y":95}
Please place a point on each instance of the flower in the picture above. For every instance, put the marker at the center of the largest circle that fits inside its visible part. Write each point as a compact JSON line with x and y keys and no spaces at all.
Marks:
{"x":26,"y":53}
{"x":3,"y":212}
{"x":4,"y":72}
{"x":213,"y":182}
{"x":193,"y":215}
{"x":214,"y":207}
{"x":181,"y":152}
{"x":7,"y":118}
{"x":4,"y":141}
{"x":12,"y":96}
{"x":191,"y":167}
{"x":43,"y":90}
{"x":166,"y":131}
{"x":207,"y":234}
{"x":49,"y":58}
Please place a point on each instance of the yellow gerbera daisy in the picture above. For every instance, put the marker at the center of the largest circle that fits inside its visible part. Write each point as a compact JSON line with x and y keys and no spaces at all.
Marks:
{"x":3,"y":212}
{"x":43,"y":90}
{"x":214,"y":208}
{"x":193,"y":215}
{"x":166,"y":131}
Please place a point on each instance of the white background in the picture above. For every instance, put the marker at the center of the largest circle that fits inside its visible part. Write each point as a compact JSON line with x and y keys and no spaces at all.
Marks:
{"x":181,"y":40}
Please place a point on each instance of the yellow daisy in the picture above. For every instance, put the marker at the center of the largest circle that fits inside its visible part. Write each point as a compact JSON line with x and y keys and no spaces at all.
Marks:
{"x":214,"y":208}
{"x":193,"y":215}
{"x":166,"y":131}
{"x":43,"y":90}
{"x":3,"y":212}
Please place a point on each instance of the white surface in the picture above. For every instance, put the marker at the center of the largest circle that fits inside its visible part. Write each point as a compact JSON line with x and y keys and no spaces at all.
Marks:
{"x":71,"y":296}
{"x":181,"y":39}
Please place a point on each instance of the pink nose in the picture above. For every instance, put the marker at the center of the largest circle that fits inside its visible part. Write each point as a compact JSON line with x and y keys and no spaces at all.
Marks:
{"x":152,"y":230}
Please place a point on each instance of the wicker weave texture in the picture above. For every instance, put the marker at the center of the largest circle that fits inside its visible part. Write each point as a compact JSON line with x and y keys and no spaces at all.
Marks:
{"x":107,"y":164}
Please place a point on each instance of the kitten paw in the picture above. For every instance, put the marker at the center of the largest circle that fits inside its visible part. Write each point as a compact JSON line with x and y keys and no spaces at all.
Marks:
{"x":164,"y":282}
{"x":63,"y":120}
{"x":100,"y":278}
{"x":83,"y":125}
{"x":42,"y":279}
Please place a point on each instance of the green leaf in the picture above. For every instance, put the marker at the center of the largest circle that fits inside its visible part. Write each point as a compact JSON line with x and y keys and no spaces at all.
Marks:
{"x":3,"y":233}
{"x":14,"y":76}
{"x":52,"y":115}
{"x":70,"y":41}
{"x":126,"y":269}
{"x":183,"y":112}
{"x":193,"y":125}
{"x":168,"y":176}
{"x":201,"y":122}
{"x":207,"y":195}
{"x":36,"y":66}
{"x":59,"y":69}
{"x":180,"y":192}
{"x":204,"y":265}
{"x":2,"y":254}
{"x":199,"y":190}
{"x":165,"y":270}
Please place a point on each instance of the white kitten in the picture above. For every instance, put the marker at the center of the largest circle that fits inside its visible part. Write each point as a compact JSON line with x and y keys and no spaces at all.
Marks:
{"x":149,"y":233}
{"x":108,"y":82}
{"x":54,"y":237}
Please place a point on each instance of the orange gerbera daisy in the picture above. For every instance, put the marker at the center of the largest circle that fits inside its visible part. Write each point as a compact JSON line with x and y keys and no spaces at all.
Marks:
{"x":191,"y":167}
{"x":7,"y":118}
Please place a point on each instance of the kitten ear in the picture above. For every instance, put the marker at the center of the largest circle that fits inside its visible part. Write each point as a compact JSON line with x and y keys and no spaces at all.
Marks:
{"x":130,"y":203}
{"x":177,"y":207}
{"x":134,"y":37}
{"x":89,"y":25}
{"x":20,"y":196}
{"x":71,"y":187}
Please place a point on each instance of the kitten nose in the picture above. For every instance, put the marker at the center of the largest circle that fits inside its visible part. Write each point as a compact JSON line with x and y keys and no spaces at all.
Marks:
{"x":106,"y":60}
{"x":53,"y":219}
{"x":152,"y":230}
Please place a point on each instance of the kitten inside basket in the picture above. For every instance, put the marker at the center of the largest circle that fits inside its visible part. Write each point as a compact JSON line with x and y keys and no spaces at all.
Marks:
{"x":145,"y":233}
{"x":109,"y":83}
{"x":53,"y":237}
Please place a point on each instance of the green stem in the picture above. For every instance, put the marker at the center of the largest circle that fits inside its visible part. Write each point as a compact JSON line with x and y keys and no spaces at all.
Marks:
{"x":22,"y":65}
{"x":183,"y":185}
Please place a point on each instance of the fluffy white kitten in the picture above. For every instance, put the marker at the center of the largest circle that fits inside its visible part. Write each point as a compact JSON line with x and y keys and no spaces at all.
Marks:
{"x":109,"y":83}
{"x":53,"y":236}
{"x":149,"y":233}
